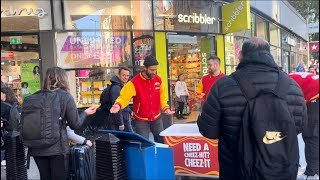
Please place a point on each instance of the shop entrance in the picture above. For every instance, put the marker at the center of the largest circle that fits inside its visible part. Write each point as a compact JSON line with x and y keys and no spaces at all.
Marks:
{"x":187,"y":55}
{"x":20,"y":62}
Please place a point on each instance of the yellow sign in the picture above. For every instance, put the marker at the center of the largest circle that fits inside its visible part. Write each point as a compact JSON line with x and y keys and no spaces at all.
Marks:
{"x":235,"y":17}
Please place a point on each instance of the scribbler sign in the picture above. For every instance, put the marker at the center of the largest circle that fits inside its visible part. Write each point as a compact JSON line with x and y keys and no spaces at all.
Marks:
{"x":194,"y":155}
{"x":235,"y":17}
{"x":196,"y":19}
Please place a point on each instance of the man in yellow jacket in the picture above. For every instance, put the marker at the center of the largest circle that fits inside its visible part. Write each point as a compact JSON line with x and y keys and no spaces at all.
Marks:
{"x":149,"y":98}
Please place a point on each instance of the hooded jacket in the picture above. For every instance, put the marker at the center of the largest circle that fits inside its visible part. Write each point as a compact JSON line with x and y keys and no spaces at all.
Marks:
{"x":221,"y":117}
{"x":124,"y":114}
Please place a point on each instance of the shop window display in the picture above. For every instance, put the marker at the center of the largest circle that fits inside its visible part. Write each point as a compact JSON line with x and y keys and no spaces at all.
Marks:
{"x":143,"y":45}
{"x":86,"y":85}
{"x":20,"y":64}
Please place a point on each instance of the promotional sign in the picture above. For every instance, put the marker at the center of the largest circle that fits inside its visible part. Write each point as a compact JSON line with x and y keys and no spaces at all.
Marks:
{"x":313,"y":47}
{"x":194,"y":155}
{"x":30,"y":78}
{"x":90,"y":49}
{"x":235,"y":17}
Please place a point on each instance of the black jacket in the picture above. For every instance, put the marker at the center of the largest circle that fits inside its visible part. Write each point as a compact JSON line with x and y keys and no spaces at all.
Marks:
{"x":124,"y":114}
{"x":72,"y":118}
{"x":222,"y":112}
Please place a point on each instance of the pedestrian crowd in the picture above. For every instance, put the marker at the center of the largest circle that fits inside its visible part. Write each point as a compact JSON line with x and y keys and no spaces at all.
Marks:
{"x":256,"y":113}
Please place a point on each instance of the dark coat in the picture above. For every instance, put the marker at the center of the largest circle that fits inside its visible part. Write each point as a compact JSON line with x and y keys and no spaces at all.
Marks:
{"x":124,"y":114}
{"x":72,"y":118}
{"x":222,"y":112}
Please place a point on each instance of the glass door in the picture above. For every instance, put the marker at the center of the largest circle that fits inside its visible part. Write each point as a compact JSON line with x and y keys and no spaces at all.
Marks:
{"x":187,"y":56}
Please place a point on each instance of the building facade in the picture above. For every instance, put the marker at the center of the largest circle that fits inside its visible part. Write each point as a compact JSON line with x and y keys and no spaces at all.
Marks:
{"x":92,"y":39}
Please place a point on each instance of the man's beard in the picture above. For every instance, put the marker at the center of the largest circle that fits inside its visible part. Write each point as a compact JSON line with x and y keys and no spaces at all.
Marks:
{"x":150,"y":76}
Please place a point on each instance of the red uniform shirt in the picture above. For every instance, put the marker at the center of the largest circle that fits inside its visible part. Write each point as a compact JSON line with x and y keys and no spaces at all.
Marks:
{"x":206,"y":84}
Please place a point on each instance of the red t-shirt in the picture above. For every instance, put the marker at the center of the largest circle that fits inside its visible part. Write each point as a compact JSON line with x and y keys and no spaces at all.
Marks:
{"x":207,"y":82}
{"x":309,"y":84}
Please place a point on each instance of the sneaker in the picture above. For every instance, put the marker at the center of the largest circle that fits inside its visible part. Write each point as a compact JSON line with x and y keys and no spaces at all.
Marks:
{"x":3,"y":163}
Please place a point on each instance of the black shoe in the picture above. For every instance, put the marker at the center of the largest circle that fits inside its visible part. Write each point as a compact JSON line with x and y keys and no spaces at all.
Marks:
{"x":179,"y":117}
{"x":183,"y":117}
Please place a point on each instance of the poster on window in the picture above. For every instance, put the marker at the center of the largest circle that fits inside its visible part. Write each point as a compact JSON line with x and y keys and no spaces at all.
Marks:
{"x":30,"y":78}
{"x":88,"y":50}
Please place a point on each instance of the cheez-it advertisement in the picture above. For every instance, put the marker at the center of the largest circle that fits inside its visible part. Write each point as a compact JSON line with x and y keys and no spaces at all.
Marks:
{"x":194,"y":155}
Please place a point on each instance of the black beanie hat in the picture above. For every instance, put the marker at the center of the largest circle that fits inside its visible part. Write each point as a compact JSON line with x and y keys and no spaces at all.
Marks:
{"x":150,"y":61}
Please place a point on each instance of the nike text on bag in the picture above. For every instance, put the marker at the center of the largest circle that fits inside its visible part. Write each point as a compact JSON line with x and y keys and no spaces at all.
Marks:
{"x":268,"y":145}
{"x":41,"y":119}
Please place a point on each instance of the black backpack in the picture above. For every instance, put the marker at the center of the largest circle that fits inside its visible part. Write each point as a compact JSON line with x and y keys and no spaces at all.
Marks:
{"x":268,"y":146}
{"x":41,"y":119}
{"x":14,"y":119}
{"x":105,"y":98}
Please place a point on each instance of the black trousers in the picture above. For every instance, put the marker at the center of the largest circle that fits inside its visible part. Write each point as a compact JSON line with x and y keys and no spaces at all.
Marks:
{"x":52,"y":167}
{"x":310,"y":137}
{"x":180,"y":109}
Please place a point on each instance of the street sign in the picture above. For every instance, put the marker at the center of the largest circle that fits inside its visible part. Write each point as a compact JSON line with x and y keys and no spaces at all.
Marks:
{"x":16,"y":40}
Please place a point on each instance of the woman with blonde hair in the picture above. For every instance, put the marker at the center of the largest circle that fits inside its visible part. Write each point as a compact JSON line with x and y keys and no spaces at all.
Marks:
{"x":51,"y":161}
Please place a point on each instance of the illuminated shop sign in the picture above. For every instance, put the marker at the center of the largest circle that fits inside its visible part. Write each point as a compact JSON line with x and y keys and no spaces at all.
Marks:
{"x":10,"y":12}
{"x":196,"y":19}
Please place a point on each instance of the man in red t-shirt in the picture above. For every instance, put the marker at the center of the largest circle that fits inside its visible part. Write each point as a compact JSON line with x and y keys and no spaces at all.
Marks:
{"x":309,"y":84}
{"x":209,"y":80}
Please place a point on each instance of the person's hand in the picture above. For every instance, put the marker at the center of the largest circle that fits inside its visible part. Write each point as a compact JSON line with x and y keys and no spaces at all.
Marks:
{"x":115,"y":109}
{"x":91,"y":110}
{"x":89,"y":143}
{"x":169,"y":112}
{"x":121,"y":127}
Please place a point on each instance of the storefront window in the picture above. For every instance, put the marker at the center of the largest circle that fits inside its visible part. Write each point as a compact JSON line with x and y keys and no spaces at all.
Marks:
{"x":108,"y":15}
{"x":93,"y":49}
{"x":262,"y":30}
{"x":20,"y":63}
{"x":86,"y":85}
{"x":143,"y":45}
{"x":196,"y":16}
{"x":233,"y":45}
{"x":253,"y":24}
{"x":276,"y":54}
{"x":274,"y":35}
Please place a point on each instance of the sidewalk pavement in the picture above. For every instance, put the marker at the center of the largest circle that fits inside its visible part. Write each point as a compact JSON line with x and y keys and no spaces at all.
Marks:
{"x":33,"y":173}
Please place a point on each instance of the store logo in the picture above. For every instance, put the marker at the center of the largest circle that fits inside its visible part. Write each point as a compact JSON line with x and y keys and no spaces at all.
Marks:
{"x":196,"y":19}
{"x":204,"y":66}
{"x":234,"y":16}
{"x":17,"y":12}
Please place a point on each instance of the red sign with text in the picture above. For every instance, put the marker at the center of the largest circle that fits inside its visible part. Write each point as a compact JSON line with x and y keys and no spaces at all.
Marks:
{"x":194,"y":155}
